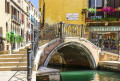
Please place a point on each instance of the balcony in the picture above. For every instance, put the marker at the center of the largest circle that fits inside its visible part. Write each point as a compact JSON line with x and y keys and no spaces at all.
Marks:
{"x":103,"y":19}
{"x":15,"y":19}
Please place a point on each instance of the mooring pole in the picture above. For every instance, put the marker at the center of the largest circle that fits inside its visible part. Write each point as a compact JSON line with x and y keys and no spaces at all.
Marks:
{"x":29,"y":64}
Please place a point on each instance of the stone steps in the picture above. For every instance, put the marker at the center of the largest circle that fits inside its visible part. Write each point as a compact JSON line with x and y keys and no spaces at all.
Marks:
{"x":13,"y":59}
{"x":13,"y":64}
{"x":13,"y":68}
{"x":13,"y":56}
{"x":20,"y":52}
{"x":23,"y":50}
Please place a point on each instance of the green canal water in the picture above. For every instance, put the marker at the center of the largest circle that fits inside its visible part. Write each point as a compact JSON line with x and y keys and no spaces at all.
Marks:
{"x":76,"y":74}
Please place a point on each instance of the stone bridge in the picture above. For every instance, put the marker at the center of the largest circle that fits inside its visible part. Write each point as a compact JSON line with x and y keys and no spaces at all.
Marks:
{"x":69,"y":43}
{"x":88,"y":52}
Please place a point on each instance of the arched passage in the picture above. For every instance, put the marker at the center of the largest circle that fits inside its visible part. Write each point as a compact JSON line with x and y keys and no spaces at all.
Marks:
{"x":85,"y":52}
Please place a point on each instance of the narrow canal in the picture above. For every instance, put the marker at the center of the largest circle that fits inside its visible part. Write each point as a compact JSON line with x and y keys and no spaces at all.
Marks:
{"x":72,"y":55}
{"x":77,"y":74}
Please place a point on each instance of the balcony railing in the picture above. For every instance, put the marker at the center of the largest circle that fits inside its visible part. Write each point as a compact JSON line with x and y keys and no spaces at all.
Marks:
{"x":103,"y":19}
{"x":16,"y":19}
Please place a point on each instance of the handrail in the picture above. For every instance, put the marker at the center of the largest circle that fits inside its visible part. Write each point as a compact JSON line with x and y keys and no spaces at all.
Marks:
{"x":32,"y":53}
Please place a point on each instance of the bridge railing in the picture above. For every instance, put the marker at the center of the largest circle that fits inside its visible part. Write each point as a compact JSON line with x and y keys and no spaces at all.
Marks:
{"x":61,"y":30}
{"x":72,"y":30}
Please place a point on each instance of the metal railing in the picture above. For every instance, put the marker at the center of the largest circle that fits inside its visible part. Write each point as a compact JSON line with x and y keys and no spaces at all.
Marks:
{"x":15,"y":18}
{"x":102,"y":16}
{"x":62,"y":30}
{"x":31,"y":53}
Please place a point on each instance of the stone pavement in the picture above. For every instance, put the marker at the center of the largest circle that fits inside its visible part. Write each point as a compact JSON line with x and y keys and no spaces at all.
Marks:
{"x":13,"y":75}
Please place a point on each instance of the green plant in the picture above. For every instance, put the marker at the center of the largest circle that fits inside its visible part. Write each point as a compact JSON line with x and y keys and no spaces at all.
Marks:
{"x":21,"y":39}
{"x":91,"y":10}
{"x":12,"y":38}
{"x":109,"y":19}
{"x":8,"y":37}
{"x":96,"y":19}
{"x":18,"y":39}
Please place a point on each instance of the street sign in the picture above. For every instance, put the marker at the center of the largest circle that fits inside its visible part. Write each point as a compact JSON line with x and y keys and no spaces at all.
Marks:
{"x":72,"y":16}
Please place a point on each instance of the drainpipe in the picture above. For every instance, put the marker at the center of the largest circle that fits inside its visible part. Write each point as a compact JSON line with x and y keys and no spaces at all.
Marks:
{"x":95,"y":7}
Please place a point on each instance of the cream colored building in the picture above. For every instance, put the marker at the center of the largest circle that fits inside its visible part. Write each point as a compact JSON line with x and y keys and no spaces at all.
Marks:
{"x":14,"y":17}
{"x":34,"y":18}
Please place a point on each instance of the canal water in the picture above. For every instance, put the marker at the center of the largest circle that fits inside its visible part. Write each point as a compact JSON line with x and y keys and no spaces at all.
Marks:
{"x":83,"y":74}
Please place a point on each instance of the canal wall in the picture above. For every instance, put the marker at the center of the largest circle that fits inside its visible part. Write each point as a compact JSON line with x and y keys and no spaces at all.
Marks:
{"x":48,"y":74}
{"x":107,"y":56}
{"x":109,"y":61}
{"x":109,"y":65}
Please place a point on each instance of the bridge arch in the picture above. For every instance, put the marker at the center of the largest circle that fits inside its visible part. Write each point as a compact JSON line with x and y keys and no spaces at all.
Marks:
{"x":89,"y":55}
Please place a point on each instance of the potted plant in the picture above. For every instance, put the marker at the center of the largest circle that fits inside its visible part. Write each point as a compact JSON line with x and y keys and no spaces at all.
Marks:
{"x":10,"y":37}
{"x":84,"y":10}
{"x":108,"y":10}
{"x":91,"y":10}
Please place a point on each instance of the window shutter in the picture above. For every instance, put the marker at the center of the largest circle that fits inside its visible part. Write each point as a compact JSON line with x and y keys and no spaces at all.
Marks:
{"x":102,"y":3}
{"x":117,"y":3}
{"x":8,"y":7}
{"x":5,"y":5}
{"x":112,"y":3}
{"x":89,"y":3}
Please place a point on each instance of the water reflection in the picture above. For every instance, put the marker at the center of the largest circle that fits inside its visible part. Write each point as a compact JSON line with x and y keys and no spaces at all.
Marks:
{"x":90,"y":75}
{"x":84,"y":74}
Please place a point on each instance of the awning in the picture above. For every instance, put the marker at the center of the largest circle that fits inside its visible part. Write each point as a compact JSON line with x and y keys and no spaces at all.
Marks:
{"x":103,"y":28}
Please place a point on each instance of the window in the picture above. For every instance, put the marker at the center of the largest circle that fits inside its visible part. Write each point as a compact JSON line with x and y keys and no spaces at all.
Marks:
{"x":7,"y":4}
{"x":27,"y":8}
{"x":98,"y":3}
{"x":36,"y":14}
{"x":34,"y":11}
{"x":36,"y":22}
{"x":22,"y":3}
{"x":22,"y":18}
{"x":114,"y":3}
{"x":27,"y":24}
{"x":6,"y":27}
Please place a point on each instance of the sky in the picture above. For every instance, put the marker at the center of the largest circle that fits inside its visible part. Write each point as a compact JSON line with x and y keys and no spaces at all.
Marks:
{"x":36,"y":3}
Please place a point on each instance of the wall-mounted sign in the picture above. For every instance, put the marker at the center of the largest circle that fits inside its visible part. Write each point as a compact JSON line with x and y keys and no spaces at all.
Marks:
{"x":105,"y":28}
{"x":72,"y":16}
